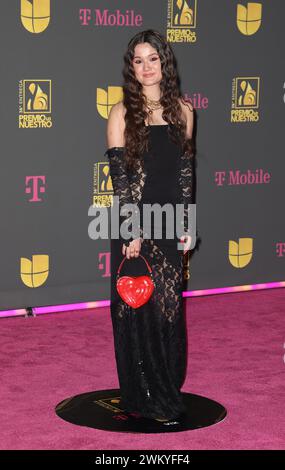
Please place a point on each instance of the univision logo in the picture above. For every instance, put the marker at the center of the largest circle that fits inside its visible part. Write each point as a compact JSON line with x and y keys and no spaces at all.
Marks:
{"x":240,"y":252}
{"x":106,"y":99}
{"x":34,"y":272}
{"x":35,"y":15}
{"x":249,"y":18}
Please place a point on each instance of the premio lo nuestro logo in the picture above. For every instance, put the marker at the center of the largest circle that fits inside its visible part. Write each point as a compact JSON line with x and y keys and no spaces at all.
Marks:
{"x":181,"y":21}
{"x":102,"y":185}
{"x":35,"y":104}
{"x":245,"y":99}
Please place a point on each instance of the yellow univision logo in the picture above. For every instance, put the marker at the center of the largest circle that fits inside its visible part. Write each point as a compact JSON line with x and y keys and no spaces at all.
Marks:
{"x":35,"y":15}
{"x":106,"y":99}
{"x":249,"y":18}
{"x":34,"y":273}
{"x":240,"y":253}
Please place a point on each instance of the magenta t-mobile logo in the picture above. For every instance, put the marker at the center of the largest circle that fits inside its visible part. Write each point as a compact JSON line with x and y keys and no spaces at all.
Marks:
{"x":85,"y":16}
{"x":104,"y":263}
{"x":109,"y":18}
{"x":280,"y":249}
{"x":242,"y":178}
{"x":34,"y":186}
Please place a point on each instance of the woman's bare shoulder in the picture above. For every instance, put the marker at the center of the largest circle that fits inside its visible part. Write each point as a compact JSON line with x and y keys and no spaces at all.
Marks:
{"x":116,"y":126}
{"x":118,"y":111}
{"x":185,"y":105}
{"x":188,"y":116}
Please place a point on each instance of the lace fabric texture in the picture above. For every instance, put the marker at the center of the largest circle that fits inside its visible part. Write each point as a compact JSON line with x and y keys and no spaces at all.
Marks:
{"x":150,"y":342}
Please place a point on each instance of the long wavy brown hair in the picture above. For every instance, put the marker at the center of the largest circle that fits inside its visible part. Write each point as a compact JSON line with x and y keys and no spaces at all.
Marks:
{"x":136,"y":133}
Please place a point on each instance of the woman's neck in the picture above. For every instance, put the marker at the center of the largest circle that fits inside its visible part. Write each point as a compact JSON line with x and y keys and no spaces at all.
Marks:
{"x":152,"y":93}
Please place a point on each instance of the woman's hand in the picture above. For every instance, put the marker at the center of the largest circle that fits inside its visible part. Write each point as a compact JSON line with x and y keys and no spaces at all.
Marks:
{"x":186,"y":239}
{"x":133,"y":249}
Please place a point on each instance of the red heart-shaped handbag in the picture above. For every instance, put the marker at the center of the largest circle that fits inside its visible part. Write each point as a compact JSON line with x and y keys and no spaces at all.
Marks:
{"x":135,"y":290}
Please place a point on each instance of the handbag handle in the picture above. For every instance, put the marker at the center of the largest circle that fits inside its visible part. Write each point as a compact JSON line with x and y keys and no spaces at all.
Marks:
{"x":124,"y":259}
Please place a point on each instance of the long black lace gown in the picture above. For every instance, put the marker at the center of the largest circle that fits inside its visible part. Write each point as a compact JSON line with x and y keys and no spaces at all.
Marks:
{"x":150,"y":342}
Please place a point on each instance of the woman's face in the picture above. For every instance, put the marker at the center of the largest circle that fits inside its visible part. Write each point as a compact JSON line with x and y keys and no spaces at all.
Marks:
{"x":147,"y":65}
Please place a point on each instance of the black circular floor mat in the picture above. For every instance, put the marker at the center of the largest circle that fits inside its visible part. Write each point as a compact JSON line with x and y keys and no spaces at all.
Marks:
{"x":101,"y":410}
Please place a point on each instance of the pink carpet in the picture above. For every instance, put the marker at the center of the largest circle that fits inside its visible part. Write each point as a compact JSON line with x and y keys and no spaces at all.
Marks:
{"x":236,"y":357}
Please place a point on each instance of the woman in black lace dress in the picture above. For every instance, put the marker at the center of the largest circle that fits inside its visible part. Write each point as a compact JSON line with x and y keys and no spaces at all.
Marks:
{"x":149,"y":139}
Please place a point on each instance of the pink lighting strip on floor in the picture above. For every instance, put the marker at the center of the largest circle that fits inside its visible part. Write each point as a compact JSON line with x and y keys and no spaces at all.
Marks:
{"x":106,"y":303}
{"x":225,"y":290}
{"x":12,"y":313}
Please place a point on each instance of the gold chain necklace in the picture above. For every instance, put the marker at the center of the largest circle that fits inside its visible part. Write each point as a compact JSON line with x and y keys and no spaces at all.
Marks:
{"x":152,"y":105}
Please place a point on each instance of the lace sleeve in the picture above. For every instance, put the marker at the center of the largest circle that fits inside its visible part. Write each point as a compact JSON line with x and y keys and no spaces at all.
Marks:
{"x":186,"y":182}
{"x":121,"y":186}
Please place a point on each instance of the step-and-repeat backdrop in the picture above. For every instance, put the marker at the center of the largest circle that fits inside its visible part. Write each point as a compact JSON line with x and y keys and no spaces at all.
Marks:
{"x":61,"y":72}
